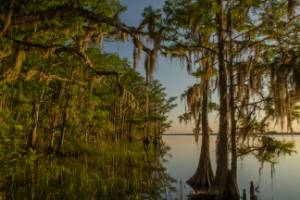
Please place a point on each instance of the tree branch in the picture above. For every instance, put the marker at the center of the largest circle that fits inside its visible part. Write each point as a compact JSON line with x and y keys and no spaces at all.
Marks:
{"x":59,"y":49}
{"x":64,"y":12}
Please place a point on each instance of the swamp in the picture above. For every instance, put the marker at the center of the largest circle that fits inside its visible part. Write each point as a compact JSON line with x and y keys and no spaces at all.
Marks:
{"x":149,"y":99}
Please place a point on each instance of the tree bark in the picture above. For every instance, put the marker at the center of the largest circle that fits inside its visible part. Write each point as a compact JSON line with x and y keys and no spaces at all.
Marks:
{"x":33,"y":137}
{"x":52,"y":135}
{"x":222,"y":141}
{"x":62,"y":13}
{"x":65,"y":117}
{"x":233,"y":190}
{"x":63,"y":129}
{"x":198,"y":127}
{"x":146,"y":134}
{"x":203,"y":177}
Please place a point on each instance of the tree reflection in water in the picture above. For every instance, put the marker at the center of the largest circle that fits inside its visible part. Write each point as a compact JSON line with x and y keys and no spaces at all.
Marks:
{"x":117,"y":171}
{"x":265,"y":149}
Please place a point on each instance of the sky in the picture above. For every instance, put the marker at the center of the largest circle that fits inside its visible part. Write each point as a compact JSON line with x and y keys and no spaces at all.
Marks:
{"x":171,"y":74}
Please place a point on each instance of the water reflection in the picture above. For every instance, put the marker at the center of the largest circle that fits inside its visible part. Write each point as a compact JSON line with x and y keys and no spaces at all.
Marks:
{"x":118,"y":171}
{"x":279,"y":181}
{"x":126,"y":171}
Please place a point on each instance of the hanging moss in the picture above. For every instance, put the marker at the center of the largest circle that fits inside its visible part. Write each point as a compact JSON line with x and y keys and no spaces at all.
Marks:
{"x":137,"y":51}
{"x":150,"y":63}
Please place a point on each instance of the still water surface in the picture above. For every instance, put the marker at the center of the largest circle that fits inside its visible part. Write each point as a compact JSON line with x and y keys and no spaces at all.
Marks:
{"x":279,"y":182}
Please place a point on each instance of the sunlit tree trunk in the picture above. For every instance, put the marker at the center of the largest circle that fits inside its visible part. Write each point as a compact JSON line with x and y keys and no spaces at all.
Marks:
{"x":65,"y":116}
{"x":86,"y":134}
{"x":33,"y":137}
{"x":63,"y":129}
{"x":52,"y":135}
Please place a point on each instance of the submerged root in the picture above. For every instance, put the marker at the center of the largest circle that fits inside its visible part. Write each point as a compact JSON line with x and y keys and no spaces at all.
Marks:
{"x":203,"y":178}
{"x":205,"y":191}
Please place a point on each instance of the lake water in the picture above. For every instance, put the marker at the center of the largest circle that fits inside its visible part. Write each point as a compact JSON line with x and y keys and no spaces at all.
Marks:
{"x":278,"y":182}
{"x":124,"y":170}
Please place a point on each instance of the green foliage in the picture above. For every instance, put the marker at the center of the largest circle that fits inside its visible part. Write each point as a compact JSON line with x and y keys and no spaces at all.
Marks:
{"x":117,"y":170}
{"x":60,"y":94}
{"x":268,"y":149}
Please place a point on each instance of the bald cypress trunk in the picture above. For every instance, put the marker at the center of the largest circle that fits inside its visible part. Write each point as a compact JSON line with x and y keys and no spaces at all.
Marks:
{"x":233,"y":187}
{"x":222,"y":141}
{"x":198,"y":127}
{"x":203,"y":177}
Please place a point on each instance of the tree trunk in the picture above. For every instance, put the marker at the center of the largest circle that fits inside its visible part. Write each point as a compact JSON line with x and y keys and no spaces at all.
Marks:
{"x":203,"y":178}
{"x":252,"y":192}
{"x":52,"y":135}
{"x":146,"y":134}
{"x":86,"y":134}
{"x":63,"y":129}
{"x":197,"y":128}
{"x":65,"y":117}
{"x":233,"y":190}
{"x":222,"y":141}
{"x":33,"y":137}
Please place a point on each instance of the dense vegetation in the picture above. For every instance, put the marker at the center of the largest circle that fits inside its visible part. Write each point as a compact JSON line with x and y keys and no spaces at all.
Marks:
{"x":63,"y":96}
{"x":45,"y":109}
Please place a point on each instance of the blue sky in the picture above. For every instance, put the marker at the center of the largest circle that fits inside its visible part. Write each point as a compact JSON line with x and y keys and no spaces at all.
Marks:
{"x":171,"y":74}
